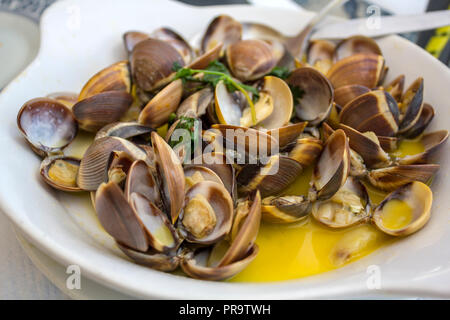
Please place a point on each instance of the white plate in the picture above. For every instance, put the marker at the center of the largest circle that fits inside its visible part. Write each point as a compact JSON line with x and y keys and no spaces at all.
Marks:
{"x":79,"y":37}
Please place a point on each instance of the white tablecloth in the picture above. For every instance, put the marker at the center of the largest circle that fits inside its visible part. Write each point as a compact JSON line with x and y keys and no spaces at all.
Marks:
{"x":19,"y":278}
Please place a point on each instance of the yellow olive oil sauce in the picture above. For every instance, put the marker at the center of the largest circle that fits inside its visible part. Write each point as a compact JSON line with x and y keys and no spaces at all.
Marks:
{"x":308,"y":248}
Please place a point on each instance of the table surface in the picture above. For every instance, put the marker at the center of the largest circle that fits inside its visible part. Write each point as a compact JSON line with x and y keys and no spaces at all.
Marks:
{"x":19,"y":278}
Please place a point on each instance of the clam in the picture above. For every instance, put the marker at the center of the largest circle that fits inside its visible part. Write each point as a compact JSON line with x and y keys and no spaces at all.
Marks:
{"x":158,"y":109}
{"x":176,"y":41}
{"x":426,"y":115}
{"x":345,"y":94}
{"x":355,"y":45}
{"x":115,"y":77}
{"x":411,"y":105}
{"x":374,"y":111}
{"x":152,"y":258}
{"x":161,"y":234}
{"x":306,"y":150}
{"x":348,"y":206}
{"x":285,"y":209}
{"x":170,"y":175}
{"x":220,"y":165}
{"x":288,"y":134}
{"x":333,"y":165}
{"x":60,"y":172}
{"x":367,"y":146}
{"x":66,"y":98}
{"x":196,"y":173}
{"x":152,"y":63}
{"x":391,"y":178}
{"x":282,"y":103}
{"x":228,"y":106}
{"x":316,"y":95}
{"x":227,"y":258}
{"x":250,"y":59}
{"x":396,"y":86}
{"x":269,"y":179}
{"x":432,"y":143}
{"x":101,"y":109}
{"x":361,"y":69}
{"x":207,"y":214}
{"x":196,"y":104}
{"x":264,"y":108}
{"x":203,"y":61}
{"x":222,"y":29}
{"x":132,"y":38}
{"x":388,"y":144}
{"x":320,"y":54}
{"x":94,"y":164}
{"x":125,"y":130}
{"x":404,"y":211}
{"x":119,"y":163}
{"x":47,"y":125}
{"x":141,"y":180}
{"x":248,"y":143}
{"x":357,"y":167}
{"x":118,"y":218}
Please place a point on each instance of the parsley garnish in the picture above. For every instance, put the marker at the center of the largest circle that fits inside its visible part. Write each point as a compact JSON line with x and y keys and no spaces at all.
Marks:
{"x":280,"y":72}
{"x":214,"y":73}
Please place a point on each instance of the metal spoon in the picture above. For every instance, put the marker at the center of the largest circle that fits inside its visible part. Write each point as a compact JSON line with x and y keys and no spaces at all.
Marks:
{"x":295,"y":45}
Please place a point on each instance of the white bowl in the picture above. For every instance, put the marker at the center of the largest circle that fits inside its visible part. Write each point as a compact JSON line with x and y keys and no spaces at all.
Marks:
{"x":79,"y":37}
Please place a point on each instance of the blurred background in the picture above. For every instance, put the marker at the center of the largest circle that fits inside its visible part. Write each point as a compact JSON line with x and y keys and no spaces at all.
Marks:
{"x":19,"y":44}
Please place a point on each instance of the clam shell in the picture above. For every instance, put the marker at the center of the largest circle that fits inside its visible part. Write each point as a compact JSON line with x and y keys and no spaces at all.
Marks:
{"x":60,"y":184}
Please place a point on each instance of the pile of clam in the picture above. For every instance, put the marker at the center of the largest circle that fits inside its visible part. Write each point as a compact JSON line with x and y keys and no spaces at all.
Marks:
{"x":332,"y":111}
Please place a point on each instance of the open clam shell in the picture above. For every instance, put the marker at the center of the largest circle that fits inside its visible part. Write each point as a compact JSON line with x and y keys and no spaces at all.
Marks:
{"x":195,"y":265}
{"x":132,"y":38}
{"x":161,"y":235}
{"x":333,"y":166}
{"x":151,"y":62}
{"x":367,"y":146}
{"x":281,"y":113}
{"x":269,"y":179}
{"x":171,"y":176}
{"x":411,"y":105}
{"x":66,"y":98}
{"x":285,"y":209}
{"x":141,"y":180}
{"x":228,"y":106}
{"x":348,"y":206}
{"x":396,"y":86}
{"x":207,"y":214}
{"x":361,"y":69}
{"x":175,"y":40}
{"x":317,"y":95}
{"x":196,"y":104}
{"x":345,"y":94}
{"x":118,"y":218}
{"x":374,"y":111}
{"x":250,"y":59}
{"x":222,"y":29}
{"x":94,"y":164}
{"x":288,"y":134}
{"x":320,"y":54}
{"x":103,"y":108}
{"x":432,"y":143}
{"x":306,"y":150}
{"x":115,"y":77}
{"x":47,"y":125}
{"x":124,"y":130}
{"x":354,"y":45}
{"x":196,"y":173}
{"x":391,"y":178}
{"x":157,"y":110}
{"x":404,"y":211}
{"x":61,"y":172}
{"x":426,"y":115}
{"x":152,"y":258}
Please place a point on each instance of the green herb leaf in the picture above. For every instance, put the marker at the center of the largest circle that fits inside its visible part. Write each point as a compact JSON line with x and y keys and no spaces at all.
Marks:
{"x":297,"y":93}
{"x":280,"y":72}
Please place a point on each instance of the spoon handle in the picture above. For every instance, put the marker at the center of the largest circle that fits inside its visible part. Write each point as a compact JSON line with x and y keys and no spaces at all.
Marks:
{"x":297,"y":45}
{"x":380,"y":26}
